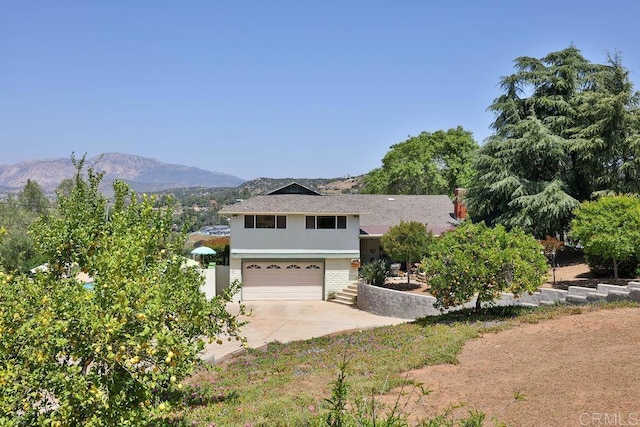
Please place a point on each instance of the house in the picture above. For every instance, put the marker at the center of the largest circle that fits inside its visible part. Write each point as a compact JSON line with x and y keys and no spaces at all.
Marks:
{"x":297,"y":244}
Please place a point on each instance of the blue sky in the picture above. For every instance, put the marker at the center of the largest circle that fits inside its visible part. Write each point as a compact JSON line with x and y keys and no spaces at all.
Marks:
{"x":273,"y":88}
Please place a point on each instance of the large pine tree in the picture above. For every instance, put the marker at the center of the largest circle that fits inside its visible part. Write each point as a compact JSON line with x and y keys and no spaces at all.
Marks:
{"x":565,"y":130}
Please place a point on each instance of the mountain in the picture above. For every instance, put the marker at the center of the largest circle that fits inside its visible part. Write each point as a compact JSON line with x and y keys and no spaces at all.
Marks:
{"x":143,"y":174}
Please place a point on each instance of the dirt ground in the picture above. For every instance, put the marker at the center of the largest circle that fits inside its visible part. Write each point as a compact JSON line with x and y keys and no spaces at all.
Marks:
{"x":580,"y":370}
{"x":573,"y":371}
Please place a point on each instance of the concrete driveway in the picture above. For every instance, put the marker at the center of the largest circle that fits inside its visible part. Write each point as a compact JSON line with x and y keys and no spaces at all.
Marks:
{"x":285,"y":321}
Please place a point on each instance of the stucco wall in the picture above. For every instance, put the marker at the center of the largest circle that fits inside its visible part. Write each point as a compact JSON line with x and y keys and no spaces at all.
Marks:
{"x":295,"y":236}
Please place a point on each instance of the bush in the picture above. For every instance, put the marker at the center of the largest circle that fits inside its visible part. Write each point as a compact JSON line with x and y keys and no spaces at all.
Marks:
{"x":375,"y":272}
{"x":477,"y":260}
{"x":112,"y":352}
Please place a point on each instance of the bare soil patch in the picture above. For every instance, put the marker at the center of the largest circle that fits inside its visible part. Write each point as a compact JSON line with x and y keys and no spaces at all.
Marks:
{"x":577,"y":370}
{"x":569,"y":371}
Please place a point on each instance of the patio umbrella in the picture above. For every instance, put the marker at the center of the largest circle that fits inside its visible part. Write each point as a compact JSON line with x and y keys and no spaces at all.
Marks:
{"x":202,"y":251}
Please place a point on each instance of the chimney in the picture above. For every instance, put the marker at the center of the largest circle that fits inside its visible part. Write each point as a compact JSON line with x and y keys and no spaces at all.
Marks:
{"x":459,"y":208}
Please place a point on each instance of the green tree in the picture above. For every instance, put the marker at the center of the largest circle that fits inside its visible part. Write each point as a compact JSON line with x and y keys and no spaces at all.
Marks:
{"x":430,"y":163}
{"x":477,"y":260}
{"x":609,"y":228}
{"x":33,"y":199}
{"x":565,"y":129}
{"x":17,"y":249}
{"x":113,"y":352}
{"x":407,"y":241}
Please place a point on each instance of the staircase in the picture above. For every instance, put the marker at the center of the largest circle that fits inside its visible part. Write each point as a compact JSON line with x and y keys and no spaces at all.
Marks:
{"x":578,"y":295}
{"x":347,"y":296}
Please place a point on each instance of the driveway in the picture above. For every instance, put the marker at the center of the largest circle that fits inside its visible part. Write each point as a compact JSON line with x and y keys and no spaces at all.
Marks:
{"x":286,"y":321}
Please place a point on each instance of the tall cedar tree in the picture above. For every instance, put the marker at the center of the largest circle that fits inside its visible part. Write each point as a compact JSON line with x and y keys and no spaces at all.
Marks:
{"x":565,"y":130}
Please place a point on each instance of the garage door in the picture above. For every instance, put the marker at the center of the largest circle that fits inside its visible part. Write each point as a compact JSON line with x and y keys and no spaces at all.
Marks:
{"x":284,"y":281}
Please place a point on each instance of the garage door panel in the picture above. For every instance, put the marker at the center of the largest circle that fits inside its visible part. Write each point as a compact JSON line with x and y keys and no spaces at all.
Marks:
{"x":282,"y":280}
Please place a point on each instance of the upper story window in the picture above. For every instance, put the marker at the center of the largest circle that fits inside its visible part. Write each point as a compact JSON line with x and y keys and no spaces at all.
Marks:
{"x":326,"y":222}
{"x":265,"y":221}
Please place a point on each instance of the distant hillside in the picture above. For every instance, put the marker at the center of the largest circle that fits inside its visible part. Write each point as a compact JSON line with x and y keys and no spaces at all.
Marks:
{"x":202,"y":196}
{"x":143,"y":174}
{"x":322,"y":185}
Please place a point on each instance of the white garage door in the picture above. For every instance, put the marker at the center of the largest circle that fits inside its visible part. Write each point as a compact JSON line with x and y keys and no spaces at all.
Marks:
{"x":282,"y":280}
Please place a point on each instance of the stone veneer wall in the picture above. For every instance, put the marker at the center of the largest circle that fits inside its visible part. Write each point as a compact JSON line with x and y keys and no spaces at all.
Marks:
{"x":406,"y":305}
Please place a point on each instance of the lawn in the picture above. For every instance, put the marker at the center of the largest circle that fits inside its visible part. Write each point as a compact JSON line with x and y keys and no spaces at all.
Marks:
{"x":288,"y":384}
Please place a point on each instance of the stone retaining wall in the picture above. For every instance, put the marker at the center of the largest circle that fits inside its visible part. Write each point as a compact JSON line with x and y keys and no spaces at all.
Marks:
{"x":407,"y":305}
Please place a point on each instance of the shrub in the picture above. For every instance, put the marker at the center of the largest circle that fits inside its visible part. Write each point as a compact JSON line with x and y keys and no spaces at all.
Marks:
{"x":375,"y":272}
{"x":113,"y":352}
{"x":475,"y":259}
{"x":609,"y":229}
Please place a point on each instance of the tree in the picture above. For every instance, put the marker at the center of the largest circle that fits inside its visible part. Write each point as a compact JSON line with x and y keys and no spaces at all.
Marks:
{"x":609,"y":228}
{"x":32,"y":198}
{"x":477,"y":260}
{"x":114,"y":351}
{"x":407,"y":241}
{"x":565,"y":130}
{"x":17,"y":249}
{"x":430,"y":163}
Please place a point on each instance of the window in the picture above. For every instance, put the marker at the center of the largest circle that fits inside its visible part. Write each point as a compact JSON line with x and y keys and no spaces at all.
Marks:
{"x":310,"y":222}
{"x":273,"y":267}
{"x":253,"y":266}
{"x":265,"y":221}
{"x":293,"y":267}
{"x":312,"y":267}
{"x":326,"y":222}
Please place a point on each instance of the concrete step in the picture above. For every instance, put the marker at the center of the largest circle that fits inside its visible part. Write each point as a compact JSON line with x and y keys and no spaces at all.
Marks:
{"x":604,"y":288}
{"x":618,"y":296}
{"x":577,"y":299}
{"x":339,"y":299}
{"x":596,"y":297}
{"x":579,"y":291}
{"x":633,"y":285}
{"x":552,"y":295}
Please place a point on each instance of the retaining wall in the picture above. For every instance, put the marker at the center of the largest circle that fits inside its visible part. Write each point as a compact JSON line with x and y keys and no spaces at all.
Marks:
{"x":407,"y":305}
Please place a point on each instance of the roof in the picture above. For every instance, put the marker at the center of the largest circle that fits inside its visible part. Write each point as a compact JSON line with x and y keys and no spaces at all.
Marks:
{"x":385,"y":211}
{"x":294,"y":204}
{"x":294,"y":188}
{"x":377,"y":212}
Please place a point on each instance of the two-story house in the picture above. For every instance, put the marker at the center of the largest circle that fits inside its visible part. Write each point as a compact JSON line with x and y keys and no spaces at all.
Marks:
{"x":297,"y":244}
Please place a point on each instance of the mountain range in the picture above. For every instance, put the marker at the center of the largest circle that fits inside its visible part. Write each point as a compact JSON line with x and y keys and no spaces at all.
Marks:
{"x":141,"y":173}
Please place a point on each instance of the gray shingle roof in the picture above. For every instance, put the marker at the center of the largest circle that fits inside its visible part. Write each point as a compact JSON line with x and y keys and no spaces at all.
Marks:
{"x":377,"y":212}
